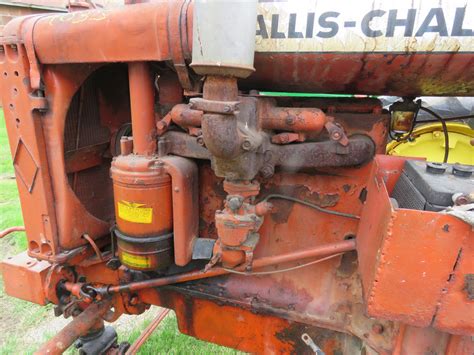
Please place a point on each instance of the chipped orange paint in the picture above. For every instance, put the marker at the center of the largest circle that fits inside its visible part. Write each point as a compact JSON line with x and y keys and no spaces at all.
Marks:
{"x":344,"y":303}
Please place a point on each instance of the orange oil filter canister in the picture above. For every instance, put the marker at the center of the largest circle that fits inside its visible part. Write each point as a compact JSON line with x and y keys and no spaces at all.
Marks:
{"x":143,"y":211}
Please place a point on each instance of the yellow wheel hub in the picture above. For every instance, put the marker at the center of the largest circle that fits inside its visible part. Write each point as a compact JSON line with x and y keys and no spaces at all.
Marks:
{"x":428,"y":142}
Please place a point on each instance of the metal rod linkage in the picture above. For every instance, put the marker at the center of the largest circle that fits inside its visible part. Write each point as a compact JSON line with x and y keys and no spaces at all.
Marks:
{"x":147,"y":332}
{"x":78,"y":327}
{"x":322,"y":250}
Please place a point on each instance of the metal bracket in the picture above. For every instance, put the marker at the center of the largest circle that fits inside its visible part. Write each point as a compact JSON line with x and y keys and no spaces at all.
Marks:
{"x":221,"y":107}
{"x":176,"y":25}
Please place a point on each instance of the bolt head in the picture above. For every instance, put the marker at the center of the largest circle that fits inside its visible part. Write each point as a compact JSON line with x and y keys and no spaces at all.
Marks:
{"x":267,"y":171}
{"x":234,"y":202}
{"x":113,"y":264}
{"x":246,"y":145}
{"x":377,"y":328}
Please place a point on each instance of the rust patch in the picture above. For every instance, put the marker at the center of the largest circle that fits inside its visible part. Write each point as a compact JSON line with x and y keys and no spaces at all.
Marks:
{"x":211,"y":197}
{"x":330,"y":342}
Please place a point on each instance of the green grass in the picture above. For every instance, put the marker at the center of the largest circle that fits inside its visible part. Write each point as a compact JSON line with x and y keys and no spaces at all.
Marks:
{"x":10,"y":213}
{"x":168,"y":340}
{"x":6,"y":166}
{"x":19,"y":317}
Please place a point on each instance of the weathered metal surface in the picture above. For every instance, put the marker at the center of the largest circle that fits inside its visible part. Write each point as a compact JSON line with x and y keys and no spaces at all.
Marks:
{"x":322,"y":250}
{"x":290,"y":119}
{"x":377,"y":47}
{"x":227,"y":47}
{"x":182,"y":144}
{"x":184,"y":183}
{"x":25,"y":278}
{"x":399,"y":261}
{"x":81,"y":325}
{"x":196,"y":304}
{"x":436,"y":61}
{"x":456,"y":303}
{"x":57,"y":115}
{"x":143,"y":196}
{"x":27,"y":144}
{"x":142,"y":99}
{"x":396,"y":74}
{"x":359,"y":150}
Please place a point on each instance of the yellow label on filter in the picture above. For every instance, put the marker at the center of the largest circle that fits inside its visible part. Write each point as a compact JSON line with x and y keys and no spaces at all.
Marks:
{"x":134,"y":212}
{"x":137,"y":261}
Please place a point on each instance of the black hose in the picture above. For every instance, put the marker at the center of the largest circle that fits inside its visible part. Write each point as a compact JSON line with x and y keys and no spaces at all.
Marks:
{"x":445,"y":131}
{"x":449,"y":119}
{"x":312,"y":205}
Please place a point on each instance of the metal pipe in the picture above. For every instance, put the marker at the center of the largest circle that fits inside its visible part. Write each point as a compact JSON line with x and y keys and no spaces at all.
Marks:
{"x":185,"y":117}
{"x":184,"y":179}
{"x":293,"y":119}
{"x":147,"y":332}
{"x":9,"y":230}
{"x":359,"y":150}
{"x":183,"y":144}
{"x":220,"y":132}
{"x":75,"y":329}
{"x":142,"y":101}
{"x":322,"y":250}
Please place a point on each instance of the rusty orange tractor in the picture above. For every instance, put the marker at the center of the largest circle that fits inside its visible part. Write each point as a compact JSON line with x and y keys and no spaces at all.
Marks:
{"x":155,"y":168}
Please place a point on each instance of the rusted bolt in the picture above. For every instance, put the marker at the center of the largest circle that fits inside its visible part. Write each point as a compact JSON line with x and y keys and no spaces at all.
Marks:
{"x":290,"y":120}
{"x":234,"y":202}
{"x":200,"y":141}
{"x":246,"y":145}
{"x":227,"y":109}
{"x":377,"y":328}
{"x":336,"y":136}
{"x":113,"y":264}
{"x":176,"y":189}
{"x":267,"y":171}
